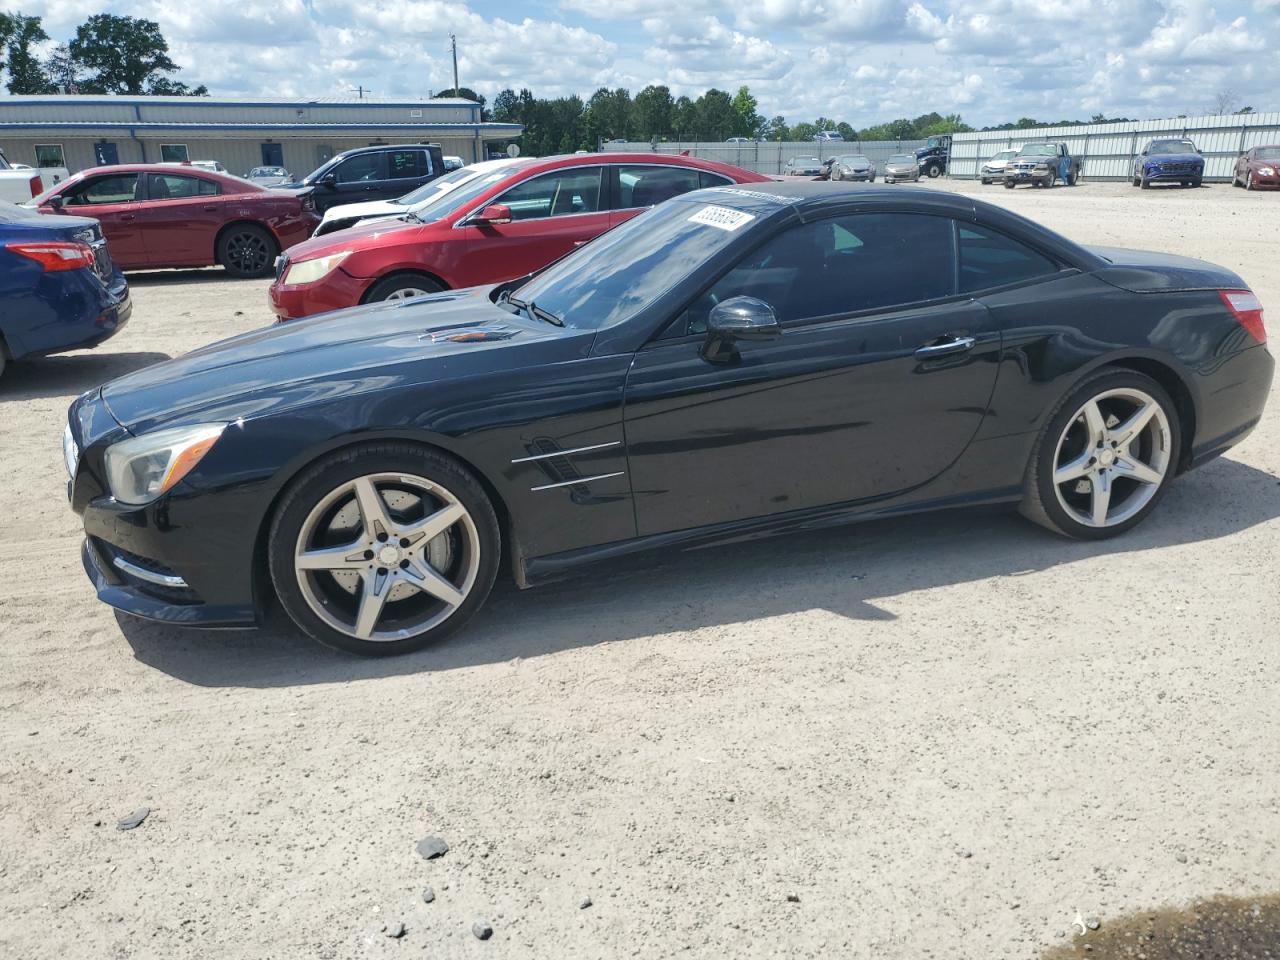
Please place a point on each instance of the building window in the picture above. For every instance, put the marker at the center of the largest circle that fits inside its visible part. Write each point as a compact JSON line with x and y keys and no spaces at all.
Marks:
{"x":49,"y":155}
{"x":173,"y":153}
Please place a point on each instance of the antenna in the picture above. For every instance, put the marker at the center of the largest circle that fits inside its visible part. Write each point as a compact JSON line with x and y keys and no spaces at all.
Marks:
{"x":359,"y":91}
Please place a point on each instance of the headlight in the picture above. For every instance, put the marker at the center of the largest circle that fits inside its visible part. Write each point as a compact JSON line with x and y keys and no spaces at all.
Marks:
{"x":142,"y":468}
{"x":309,"y":271}
{"x":1267,"y":171}
{"x":70,"y":452}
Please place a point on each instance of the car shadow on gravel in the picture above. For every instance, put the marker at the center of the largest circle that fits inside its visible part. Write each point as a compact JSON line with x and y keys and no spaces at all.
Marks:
{"x":843,"y":570}
{"x":70,"y":375}
{"x":160,"y":278}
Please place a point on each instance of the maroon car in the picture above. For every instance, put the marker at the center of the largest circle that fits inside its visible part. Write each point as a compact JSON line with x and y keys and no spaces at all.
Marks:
{"x":175,"y":215}
{"x":1258,"y":169}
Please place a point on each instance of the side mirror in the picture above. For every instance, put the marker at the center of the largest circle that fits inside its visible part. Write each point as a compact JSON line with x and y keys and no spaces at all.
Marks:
{"x":493,"y":215}
{"x":329,"y":180}
{"x":54,"y":202}
{"x":738,"y":318}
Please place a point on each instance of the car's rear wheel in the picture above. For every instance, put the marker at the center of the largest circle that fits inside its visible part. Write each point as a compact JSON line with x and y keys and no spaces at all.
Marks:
{"x":404,"y":286}
{"x":247,"y":250}
{"x":1104,"y":458}
{"x":384,"y":548}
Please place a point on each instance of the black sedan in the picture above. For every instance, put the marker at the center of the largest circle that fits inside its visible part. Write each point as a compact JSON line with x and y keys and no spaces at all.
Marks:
{"x":734,"y":362}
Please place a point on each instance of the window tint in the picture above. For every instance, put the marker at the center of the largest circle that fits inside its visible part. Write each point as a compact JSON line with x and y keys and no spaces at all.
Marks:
{"x":989,"y":259}
{"x":706,"y":179}
{"x":117,"y":188}
{"x":168,"y":186}
{"x":646,"y":185}
{"x":558,"y":194}
{"x":840,"y":266}
{"x":407,"y":164}
{"x":360,"y":169}
{"x":50,"y":155}
{"x":173,"y":152}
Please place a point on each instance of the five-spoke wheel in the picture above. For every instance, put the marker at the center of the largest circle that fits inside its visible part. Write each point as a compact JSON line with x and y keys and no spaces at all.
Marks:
{"x":384,"y":549}
{"x":1105,"y":457}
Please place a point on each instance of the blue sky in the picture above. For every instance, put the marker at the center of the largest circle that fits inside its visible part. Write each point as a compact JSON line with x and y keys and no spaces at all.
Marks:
{"x":862,"y":61}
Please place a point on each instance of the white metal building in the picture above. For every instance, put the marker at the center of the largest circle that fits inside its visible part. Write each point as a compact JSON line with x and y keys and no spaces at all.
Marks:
{"x":86,"y":131}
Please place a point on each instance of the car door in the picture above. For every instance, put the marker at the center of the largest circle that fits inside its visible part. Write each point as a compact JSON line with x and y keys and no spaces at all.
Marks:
{"x":356,"y":179}
{"x":878,"y":383}
{"x":180,"y":219}
{"x":551,"y":214}
{"x":406,"y":171}
{"x":113,"y":200}
{"x":635,"y":187}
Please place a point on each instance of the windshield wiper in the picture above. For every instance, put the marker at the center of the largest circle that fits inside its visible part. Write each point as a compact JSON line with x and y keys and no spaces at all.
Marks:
{"x":534,"y":311}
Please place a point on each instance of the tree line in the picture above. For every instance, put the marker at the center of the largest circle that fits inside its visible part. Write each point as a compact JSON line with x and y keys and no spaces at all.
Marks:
{"x":108,"y":54}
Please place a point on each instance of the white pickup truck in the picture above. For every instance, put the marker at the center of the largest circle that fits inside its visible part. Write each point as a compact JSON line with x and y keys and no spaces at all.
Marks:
{"x":19,"y":184}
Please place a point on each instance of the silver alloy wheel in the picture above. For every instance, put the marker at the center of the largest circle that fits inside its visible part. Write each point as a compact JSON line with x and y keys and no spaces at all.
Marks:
{"x":1112,"y":457}
{"x":387,"y":556}
{"x":407,"y":293}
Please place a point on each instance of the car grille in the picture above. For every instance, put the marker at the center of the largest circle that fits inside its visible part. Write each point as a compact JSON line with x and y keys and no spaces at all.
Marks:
{"x":172,"y":594}
{"x":1180,"y":166}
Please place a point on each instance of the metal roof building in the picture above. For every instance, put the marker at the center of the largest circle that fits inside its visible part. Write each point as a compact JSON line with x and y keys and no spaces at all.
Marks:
{"x":81,"y":131}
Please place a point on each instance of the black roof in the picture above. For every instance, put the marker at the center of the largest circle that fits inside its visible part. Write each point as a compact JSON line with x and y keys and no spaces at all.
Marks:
{"x":804,"y":195}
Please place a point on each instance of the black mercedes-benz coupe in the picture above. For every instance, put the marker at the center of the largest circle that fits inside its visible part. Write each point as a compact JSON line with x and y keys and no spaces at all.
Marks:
{"x":735,"y":362}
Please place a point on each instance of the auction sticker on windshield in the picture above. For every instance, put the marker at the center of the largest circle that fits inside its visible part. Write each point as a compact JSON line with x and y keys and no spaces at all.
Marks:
{"x":722,"y":217}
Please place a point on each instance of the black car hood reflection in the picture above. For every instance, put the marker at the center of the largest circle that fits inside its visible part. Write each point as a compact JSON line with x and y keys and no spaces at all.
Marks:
{"x":446,"y":335}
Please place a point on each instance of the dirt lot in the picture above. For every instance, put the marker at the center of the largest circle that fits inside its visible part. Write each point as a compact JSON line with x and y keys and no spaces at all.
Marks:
{"x":943,"y":737}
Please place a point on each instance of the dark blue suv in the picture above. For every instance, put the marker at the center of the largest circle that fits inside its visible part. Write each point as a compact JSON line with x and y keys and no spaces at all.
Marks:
{"x":1176,"y":160}
{"x":59,"y":289}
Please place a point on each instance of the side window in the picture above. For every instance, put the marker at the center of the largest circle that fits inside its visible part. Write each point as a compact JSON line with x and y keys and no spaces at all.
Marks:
{"x":989,"y":259}
{"x":168,"y":186}
{"x":360,"y":169}
{"x":706,"y":179}
{"x":645,"y":185}
{"x":839,"y":266}
{"x":116,"y":188}
{"x":560,"y":193}
{"x":407,"y":165}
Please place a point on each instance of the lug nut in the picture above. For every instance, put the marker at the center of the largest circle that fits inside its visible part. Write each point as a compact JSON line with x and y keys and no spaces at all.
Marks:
{"x":404,"y":541}
{"x":382,"y":537}
{"x":404,"y":564}
{"x":368,"y":554}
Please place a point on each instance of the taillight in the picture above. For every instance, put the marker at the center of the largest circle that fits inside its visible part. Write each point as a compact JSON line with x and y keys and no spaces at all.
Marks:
{"x":37,"y":186}
{"x":1247,"y":309}
{"x":54,"y":256}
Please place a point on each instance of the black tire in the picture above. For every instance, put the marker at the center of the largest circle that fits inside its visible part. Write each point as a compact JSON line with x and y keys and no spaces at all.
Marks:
{"x":933,"y":170}
{"x":1137,"y":180}
{"x":1040,"y":502}
{"x":400,"y":286}
{"x":1196,"y":183}
{"x":1008,"y":184}
{"x":1073,"y":177}
{"x":1144,"y":183}
{"x":318,"y":481}
{"x":1248,"y":181}
{"x":247,"y":251}
{"x":986,"y":182}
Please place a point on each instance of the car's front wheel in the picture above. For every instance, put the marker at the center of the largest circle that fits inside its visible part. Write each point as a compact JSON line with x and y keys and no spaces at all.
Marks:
{"x":404,"y":286}
{"x":1105,"y":457}
{"x":383,"y":548}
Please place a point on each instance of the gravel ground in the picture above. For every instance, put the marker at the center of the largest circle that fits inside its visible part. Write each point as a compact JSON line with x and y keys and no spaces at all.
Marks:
{"x":939,"y":737}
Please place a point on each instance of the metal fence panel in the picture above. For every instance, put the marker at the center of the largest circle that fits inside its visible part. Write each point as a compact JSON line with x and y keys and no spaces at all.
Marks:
{"x":770,"y":157}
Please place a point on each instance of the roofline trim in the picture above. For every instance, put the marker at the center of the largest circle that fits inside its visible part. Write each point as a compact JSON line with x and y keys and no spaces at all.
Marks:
{"x":515,"y":129}
{"x":41,"y":101}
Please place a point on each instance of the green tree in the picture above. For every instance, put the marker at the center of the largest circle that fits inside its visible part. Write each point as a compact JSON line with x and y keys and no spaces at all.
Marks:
{"x":63,"y":70}
{"x":608,"y":115}
{"x":775,"y":129}
{"x":746,"y":109}
{"x":125,"y":54}
{"x":714,"y":116}
{"x":846,"y":131}
{"x":685,"y":119}
{"x":20,"y":33}
{"x":803,"y":131}
{"x":652,"y":112}
{"x":506,"y":107}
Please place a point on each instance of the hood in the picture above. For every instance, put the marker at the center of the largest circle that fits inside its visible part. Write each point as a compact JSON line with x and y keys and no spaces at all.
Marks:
{"x":340,"y":354}
{"x":1159,"y":158}
{"x":899,"y":165}
{"x":358,"y":236}
{"x":370,"y":208}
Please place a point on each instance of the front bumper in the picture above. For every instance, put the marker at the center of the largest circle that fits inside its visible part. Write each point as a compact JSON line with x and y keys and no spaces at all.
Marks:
{"x":336,"y":291}
{"x":1266,"y":183}
{"x":1177,"y":176}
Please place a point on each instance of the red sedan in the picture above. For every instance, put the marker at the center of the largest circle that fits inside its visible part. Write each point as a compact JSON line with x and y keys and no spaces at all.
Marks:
{"x":175,"y":215}
{"x":1258,"y":169}
{"x":483,"y":224}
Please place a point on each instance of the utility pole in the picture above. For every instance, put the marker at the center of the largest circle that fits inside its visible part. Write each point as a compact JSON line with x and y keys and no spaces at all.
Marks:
{"x":453,"y":42}
{"x":360,"y":91}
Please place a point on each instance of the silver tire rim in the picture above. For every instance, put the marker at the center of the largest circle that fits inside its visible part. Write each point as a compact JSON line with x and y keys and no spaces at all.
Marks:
{"x":1112,"y":458}
{"x":387,"y":556}
{"x":406,"y":293}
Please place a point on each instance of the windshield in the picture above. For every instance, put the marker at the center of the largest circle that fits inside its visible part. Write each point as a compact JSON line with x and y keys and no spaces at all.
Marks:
{"x":901,"y":158}
{"x":442,"y":197}
{"x":56,"y":188}
{"x":1038,"y":150}
{"x":856,"y":161}
{"x":623,"y":271}
{"x":1004,"y":155}
{"x":1268,"y":153}
{"x":1165,"y":147}
{"x":4,"y":164}
{"x":267,"y":172}
{"x":805,"y":161}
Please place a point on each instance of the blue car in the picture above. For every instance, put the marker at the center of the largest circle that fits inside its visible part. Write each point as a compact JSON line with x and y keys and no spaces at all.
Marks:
{"x":59,"y":289}
{"x":1176,"y":160}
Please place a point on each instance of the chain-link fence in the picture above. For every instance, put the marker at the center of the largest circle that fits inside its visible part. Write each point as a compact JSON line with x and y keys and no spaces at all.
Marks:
{"x":1109,"y":149}
{"x":770,"y":157}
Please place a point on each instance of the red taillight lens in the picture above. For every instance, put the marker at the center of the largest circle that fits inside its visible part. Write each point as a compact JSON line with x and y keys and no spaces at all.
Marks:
{"x":1247,"y":309}
{"x":54,"y":256}
{"x":37,"y":186}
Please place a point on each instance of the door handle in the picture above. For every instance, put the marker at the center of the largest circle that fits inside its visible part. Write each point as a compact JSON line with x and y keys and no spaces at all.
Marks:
{"x":209,"y":208}
{"x":945,"y":346}
{"x":128,"y":216}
